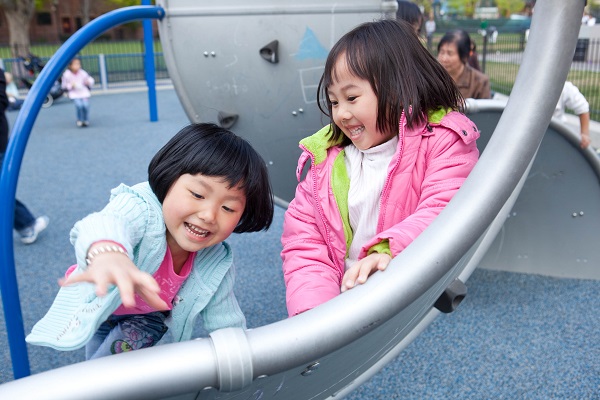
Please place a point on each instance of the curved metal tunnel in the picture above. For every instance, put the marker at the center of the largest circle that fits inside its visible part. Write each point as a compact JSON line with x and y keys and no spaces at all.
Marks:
{"x":546,"y":232}
{"x":343,"y":342}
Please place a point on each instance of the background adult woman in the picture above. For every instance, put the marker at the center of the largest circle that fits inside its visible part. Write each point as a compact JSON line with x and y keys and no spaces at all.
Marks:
{"x":453,"y":54}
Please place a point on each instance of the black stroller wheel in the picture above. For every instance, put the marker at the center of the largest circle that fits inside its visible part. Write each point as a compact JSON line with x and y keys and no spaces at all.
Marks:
{"x":48,"y":101}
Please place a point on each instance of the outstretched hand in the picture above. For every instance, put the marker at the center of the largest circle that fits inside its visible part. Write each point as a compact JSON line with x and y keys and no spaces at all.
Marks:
{"x":362,"y":269}
{"x":117,"y":269}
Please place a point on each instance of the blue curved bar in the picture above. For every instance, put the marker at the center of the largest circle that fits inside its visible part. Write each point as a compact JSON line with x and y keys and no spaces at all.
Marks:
{"x":14,"y":157}
{"x":149,"y":69}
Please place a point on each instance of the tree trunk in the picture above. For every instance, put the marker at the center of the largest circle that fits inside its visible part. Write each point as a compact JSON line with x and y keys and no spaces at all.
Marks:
{"x":18,"y":16}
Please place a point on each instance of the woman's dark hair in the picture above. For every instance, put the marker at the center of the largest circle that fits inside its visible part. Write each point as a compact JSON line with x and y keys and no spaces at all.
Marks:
{"x":462,"y":40}
{"x":210,"y":150}
{"x":404,"y":76}
{"x":410,"y":12}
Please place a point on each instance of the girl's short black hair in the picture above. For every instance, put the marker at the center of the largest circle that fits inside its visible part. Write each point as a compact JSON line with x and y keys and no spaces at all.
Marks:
{"x":210,"y":150}
{"x":404,"y":76}
{"x":463,"y":43}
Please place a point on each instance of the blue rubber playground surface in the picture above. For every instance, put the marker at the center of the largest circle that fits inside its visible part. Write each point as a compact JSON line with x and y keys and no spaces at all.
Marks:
{"x":515,"y":336}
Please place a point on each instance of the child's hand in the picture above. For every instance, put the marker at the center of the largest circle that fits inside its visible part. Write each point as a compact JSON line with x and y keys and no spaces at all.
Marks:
{"x":362,"y":269}
{"x":119,"y":270}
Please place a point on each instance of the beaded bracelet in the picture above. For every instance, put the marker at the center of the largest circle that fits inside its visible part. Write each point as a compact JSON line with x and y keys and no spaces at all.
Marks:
{"x":103,"y":249}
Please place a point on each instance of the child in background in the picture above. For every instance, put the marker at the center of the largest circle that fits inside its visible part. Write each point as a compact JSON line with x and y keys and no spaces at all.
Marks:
{"x":14,"y":102}
{"x":573,"y":99}
{"x":161,"y":244}
{"x":77,"y":83}
{"x":397,"y":149}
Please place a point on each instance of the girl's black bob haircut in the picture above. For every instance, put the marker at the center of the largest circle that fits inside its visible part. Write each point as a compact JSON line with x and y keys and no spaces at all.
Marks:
{"x":462,"y":40}
{"x":404,"y":76}
{"x":210,"y":150}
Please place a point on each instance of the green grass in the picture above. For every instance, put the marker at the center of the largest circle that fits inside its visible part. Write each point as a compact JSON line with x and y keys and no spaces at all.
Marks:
{"x":97,"y":47}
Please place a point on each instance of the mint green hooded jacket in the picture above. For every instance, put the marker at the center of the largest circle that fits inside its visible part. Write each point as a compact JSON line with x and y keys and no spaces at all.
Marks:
{"x":134,"y":218}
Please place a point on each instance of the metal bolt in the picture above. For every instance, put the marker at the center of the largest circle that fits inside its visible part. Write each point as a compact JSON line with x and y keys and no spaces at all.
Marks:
{"x":581,"y":213}
{"x":212,"y":53}
{"x":294,"y":113}
{"x":301,"y":110}
{"x":206,"y":54}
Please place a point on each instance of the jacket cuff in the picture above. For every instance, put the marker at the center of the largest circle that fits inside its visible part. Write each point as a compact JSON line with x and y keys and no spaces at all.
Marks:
{"x":96,"y":227}
{"x":382,"y":247}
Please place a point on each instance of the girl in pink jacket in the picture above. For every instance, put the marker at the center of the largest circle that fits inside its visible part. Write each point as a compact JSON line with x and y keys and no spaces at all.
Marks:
{"x":397,"y":149}
{"x":77,"y":82}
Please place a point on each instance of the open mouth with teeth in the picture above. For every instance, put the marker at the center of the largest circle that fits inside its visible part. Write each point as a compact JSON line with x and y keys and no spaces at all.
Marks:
{"x":356,"y":131}
{"x":194,"y":230}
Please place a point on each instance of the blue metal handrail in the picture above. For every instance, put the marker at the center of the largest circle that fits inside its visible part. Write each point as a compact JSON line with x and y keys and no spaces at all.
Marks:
{"x":14,"y":156}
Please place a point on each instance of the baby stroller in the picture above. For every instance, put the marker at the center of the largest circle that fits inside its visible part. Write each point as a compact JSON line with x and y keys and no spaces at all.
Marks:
{"x":33,"y":64}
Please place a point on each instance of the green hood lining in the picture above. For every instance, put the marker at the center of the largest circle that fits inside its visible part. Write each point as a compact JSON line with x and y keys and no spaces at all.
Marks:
{"x":318,"y":144}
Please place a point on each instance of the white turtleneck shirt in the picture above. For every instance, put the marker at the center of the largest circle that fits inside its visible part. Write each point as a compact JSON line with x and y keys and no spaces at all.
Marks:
{"x":367,"y":170}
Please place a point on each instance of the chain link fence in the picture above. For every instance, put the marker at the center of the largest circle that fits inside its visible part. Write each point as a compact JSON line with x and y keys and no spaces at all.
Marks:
{"x":112,"y":64}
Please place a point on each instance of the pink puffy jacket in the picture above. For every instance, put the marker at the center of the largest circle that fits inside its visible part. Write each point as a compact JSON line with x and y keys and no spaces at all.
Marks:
{"x":431,"y":163}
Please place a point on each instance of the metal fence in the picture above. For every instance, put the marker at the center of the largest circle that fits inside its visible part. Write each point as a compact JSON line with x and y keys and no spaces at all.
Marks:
{"x":111,"y":64}
{"x":108,"y":70}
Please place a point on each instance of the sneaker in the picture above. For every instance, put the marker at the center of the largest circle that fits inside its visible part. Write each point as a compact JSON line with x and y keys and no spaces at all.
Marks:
{"x":29,"y":235}
{"x":86,"y":123}
{"x":79,"y":124}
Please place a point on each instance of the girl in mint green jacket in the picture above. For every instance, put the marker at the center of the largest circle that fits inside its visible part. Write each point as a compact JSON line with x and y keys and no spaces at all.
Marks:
{"x":156,"y":254}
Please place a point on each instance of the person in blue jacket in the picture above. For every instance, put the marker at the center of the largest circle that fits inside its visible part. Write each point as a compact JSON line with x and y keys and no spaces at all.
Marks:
{"x":25,"y":223}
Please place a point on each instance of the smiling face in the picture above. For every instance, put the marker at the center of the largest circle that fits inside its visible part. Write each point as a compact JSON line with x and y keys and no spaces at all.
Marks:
{"x":354,"y":108}
{"x":201,"y":211}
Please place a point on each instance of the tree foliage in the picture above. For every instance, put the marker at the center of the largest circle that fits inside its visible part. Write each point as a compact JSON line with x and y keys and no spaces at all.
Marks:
{"x":464,"y":7}
{"x":508,"y":7}
{"x":126,"y":3}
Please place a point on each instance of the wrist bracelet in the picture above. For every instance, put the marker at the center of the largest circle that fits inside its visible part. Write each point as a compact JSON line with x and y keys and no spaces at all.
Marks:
{"x":103,"y":249}
{"x":108,"y":241}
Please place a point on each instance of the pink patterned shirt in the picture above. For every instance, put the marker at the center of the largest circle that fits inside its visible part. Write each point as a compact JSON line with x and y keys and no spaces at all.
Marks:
{"x":169,"y":282}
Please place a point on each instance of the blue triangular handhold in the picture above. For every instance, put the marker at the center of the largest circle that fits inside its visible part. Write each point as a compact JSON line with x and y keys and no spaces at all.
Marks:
{"x":310,"y":47}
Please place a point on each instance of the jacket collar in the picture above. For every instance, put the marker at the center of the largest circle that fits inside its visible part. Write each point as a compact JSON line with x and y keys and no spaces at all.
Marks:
{"x":318,"y":143}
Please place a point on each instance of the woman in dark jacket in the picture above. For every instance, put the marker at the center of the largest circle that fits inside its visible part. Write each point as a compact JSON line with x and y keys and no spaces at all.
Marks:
{"x":453,"y":53}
